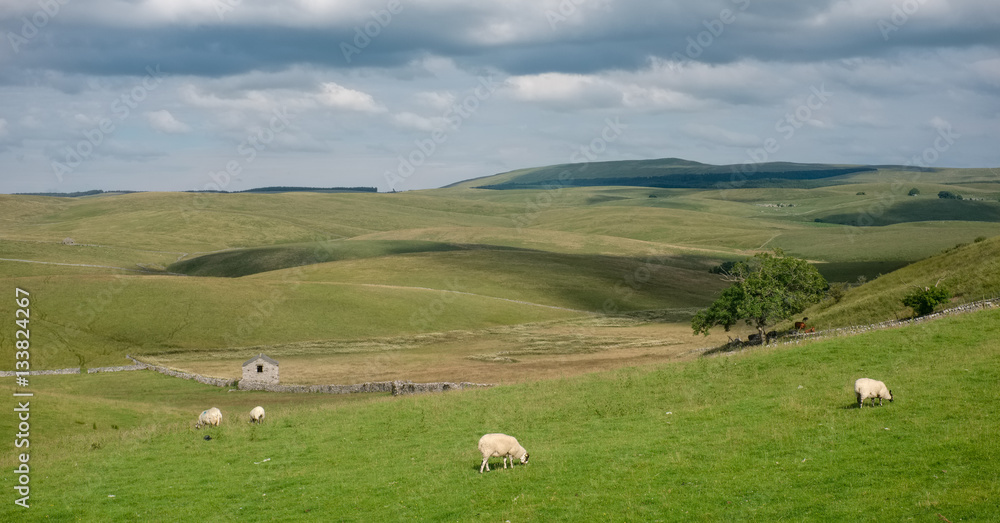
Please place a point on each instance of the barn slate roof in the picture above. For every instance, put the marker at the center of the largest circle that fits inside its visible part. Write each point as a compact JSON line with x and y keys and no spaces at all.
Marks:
{"x":260,"y":356}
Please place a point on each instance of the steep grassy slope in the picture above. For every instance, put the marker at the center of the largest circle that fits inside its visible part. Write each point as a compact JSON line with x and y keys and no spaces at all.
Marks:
{"x":971,"y":272}
{"x":766,"y":435}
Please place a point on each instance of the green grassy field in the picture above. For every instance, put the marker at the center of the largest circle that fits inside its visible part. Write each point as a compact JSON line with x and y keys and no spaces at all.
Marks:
{"x":762,"y":435}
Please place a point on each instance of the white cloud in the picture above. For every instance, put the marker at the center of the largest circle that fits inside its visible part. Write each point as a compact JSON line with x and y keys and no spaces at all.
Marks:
{"x":165,"y":122}
{"x":562,"y":90}
{"x":337,"y":96}
{"x":988,"y":70}
{"x":716,"y":134}
{"x":415,"y":121}
{"x":640,"y":90}
{"x":439,"y":100}
{"x":3,"y":128}
{"x":247,"y":101}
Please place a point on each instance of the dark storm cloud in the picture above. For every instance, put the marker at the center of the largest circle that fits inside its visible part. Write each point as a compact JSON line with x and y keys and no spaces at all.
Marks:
{"x":615,"y":35}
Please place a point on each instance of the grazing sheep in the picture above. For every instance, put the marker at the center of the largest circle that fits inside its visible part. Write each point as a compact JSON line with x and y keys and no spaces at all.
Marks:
{"x":866,"y":388}
{"x":212,"y":416}
{"x":257,"y":414}
{"x":492,"y":445}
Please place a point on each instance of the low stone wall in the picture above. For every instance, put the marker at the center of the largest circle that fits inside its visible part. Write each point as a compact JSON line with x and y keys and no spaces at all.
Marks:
{"x":10,"y":373}
{"x":892,"y":324}
{"x":396,"y":388}
{"x":378,"y":386}
{"x":218,"y":382}
{"x":797,"y":338}
{"x":120,"y":368}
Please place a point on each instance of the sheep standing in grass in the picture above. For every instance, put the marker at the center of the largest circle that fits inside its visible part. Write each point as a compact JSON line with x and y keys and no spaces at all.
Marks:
{"x":212,"y":416}
{"x":497,"y":445}
{"x":866,"y":388}
{"x":257,"y":414}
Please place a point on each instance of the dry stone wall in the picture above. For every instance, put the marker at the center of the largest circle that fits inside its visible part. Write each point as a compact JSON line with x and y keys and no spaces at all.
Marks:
{"x":10,"y":373}
{"x":396,"y":388}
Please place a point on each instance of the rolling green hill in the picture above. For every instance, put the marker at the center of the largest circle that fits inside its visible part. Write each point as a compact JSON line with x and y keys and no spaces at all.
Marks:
{"x":308,"y":267}
{"x":242,"y":262}
{"x":670,"y":173}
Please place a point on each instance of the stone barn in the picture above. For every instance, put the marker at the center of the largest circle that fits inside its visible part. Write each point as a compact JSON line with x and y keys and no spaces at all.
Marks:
{"x":260,"y":369}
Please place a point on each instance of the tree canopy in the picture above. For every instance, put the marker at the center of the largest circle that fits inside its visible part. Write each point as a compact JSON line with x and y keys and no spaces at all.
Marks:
{"x":766,"y":289}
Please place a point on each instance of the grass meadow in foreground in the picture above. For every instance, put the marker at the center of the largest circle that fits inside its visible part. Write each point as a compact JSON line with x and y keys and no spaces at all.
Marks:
{"x":764,"y":435}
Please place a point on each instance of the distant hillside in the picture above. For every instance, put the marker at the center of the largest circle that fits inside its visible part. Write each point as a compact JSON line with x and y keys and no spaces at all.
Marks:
{"x":970,"y":271}
{"x":670,"y":173}
{"x":276,"y":189}
{"x":242,"y":262}
{"x":280,"y":189}
{"x":74,"y":194}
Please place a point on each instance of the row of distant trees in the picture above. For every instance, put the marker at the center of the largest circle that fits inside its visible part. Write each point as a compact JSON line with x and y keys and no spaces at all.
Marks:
{"x":944,"y":195}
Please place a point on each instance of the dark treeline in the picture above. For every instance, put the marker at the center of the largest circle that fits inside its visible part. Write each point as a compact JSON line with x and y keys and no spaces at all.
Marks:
{"x":257,"y":190}
{"x":73,"y":194}
{"x":690,"y":181}
{"x":298,"y":189}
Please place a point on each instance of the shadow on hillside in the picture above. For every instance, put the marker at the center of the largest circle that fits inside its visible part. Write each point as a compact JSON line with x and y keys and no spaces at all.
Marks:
{"x":730,"y":348}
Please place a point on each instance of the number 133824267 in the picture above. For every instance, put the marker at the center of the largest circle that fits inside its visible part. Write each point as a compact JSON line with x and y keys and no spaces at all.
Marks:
{"x":22,"y":336}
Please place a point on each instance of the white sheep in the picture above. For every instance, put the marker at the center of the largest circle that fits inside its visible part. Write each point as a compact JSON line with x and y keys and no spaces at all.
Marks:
{"x":497,"y":445}
{"x":257,"y":414}
{"x":212,"y":416}
{"x":866,"y":388}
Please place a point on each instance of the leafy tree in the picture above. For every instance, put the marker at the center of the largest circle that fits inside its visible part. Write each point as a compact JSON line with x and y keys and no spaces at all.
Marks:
{"x":948,"y":195}
{"x":923,"y":301}
{"x":913,"y":192}
{"x":766,"y":289}
{"x":837,"y":291}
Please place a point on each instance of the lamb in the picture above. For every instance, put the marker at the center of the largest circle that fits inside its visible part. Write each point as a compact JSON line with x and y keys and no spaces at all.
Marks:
{"x":492,"y":445}
{"x":212,"y":416}
{"x":866,"y":388}
{"x":257,"y":414}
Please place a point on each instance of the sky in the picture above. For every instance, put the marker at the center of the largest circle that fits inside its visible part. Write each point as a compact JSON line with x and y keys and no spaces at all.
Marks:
{"x":166,"y":95}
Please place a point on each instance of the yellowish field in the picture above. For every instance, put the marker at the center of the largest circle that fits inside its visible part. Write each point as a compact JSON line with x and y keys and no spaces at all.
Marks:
{"x":499,"y":355}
